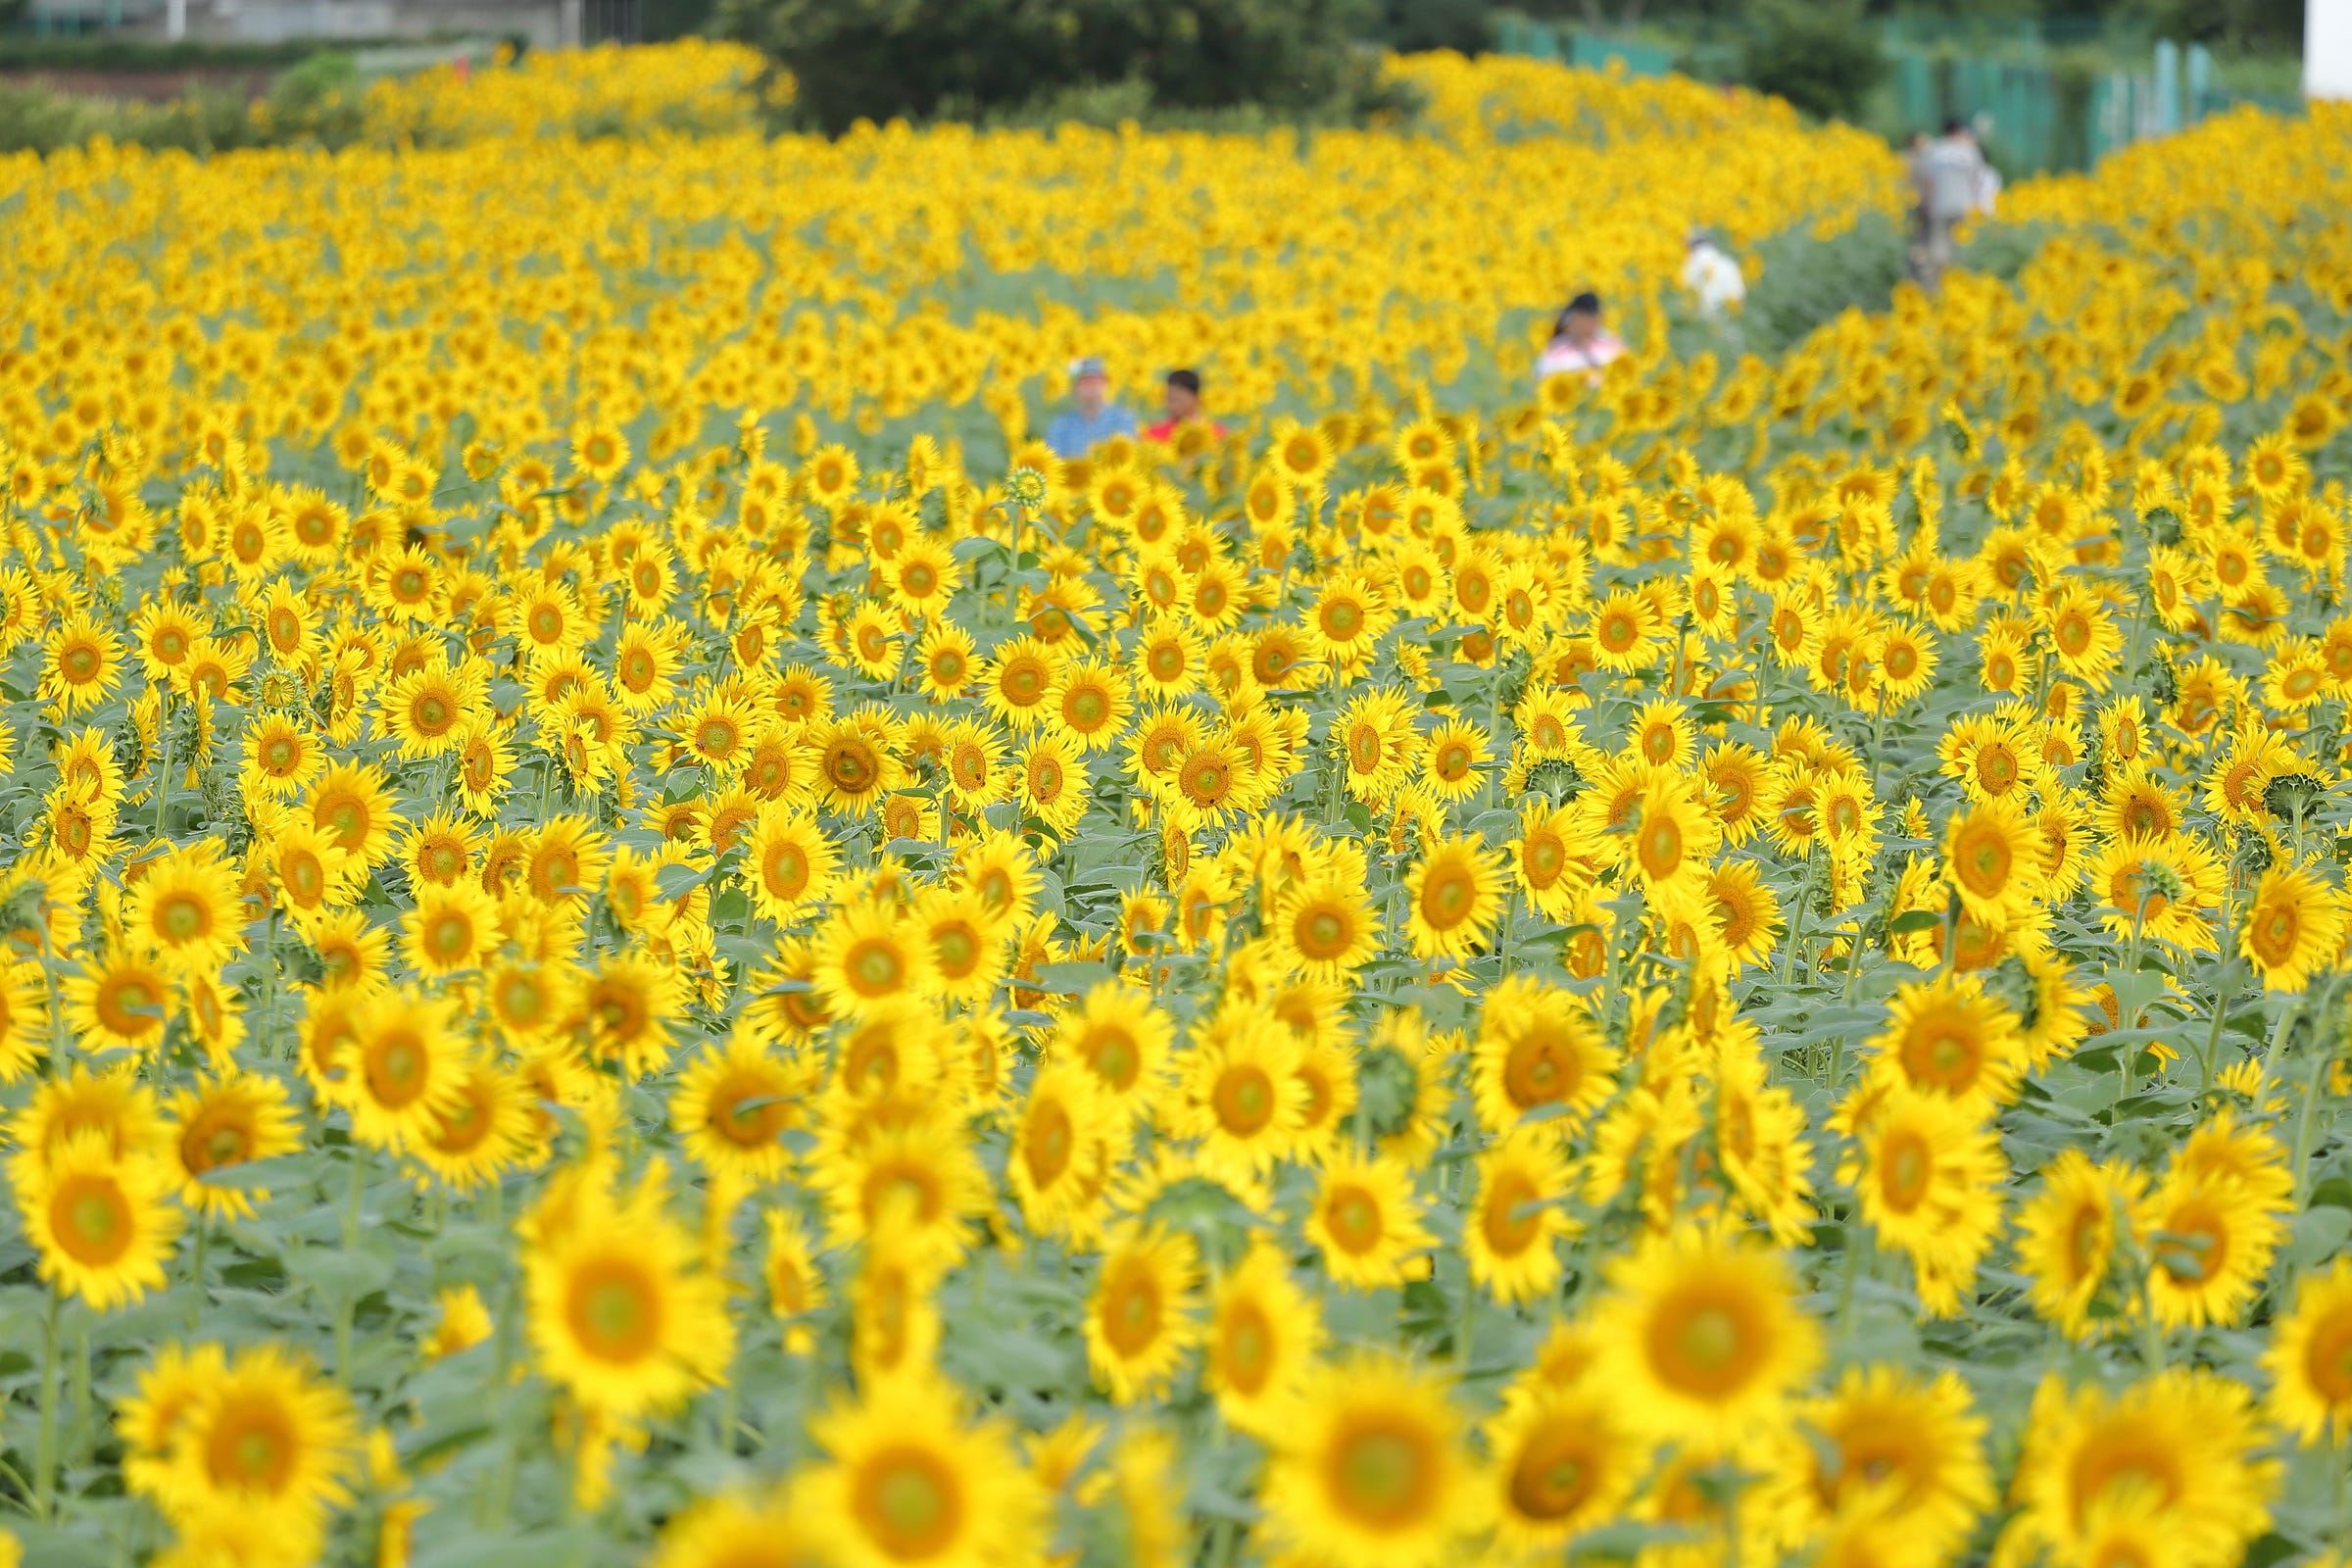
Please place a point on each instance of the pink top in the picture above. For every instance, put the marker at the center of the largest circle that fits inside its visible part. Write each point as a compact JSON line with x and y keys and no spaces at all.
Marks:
{"x":1563,"y":356}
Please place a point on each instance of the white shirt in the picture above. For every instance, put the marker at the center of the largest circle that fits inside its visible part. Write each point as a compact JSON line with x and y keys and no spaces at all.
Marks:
{"x":1714,"y":277}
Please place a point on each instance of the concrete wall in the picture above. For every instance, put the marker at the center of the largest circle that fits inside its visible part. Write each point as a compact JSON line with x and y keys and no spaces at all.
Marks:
{"x":2327,"y":49}
{"x":547,"y":24}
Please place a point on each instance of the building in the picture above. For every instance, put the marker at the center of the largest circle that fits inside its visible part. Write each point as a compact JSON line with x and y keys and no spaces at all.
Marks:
{"x":542,"y":24}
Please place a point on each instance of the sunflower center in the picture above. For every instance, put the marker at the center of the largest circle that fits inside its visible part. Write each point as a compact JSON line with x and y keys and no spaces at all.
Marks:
{"x":1245,"y":1101}
{"x":908,"y":1503}
{"x":91,"y":1219}
{"x":874,"y":968}
{"x":1353,"y":1218}
{"x":1509,"y":1231}
{"x":615,"y":1314}
{"x":1383,"y":1474}
{"x":1131,"y":1315}
{"x":181,"y":919}
{"x":1555,"y":1472}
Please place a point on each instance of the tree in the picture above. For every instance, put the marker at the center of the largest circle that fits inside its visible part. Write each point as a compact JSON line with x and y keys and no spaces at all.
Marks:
{"x":876,"y":59}
{"x":1821,"y":55}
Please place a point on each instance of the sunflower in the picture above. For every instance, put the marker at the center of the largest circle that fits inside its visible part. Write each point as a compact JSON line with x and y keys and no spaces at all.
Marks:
{"x":101,"y":1223}
{"x":617,"y":1314}
{"x":427,"y":709}
{"x":224,"y":1122}
{"x":1375,"y":739}
{"x":258,"y":1442}
{"x":1329,"y":925}
{"x":1453,"y":896}
{"x":1138,"y":1322}
{"x":1089,"y":704}
{"x":630,"y":1003}
{"x":857,"y":761}
{"x":1051,"y":783}
{"x":2168,"y":890}
{"x":1887,"y":1448}
{"x":1989,"y":860}
{"x":1703,"y":1337}
{"x":1370,"y":1470}
{"x":871,"y":956}
{"x":1928,"y":1177}
{"x":1948,"y":1036}
{"x":732,"y":1105}
{"x":1122,"y":1036}
{"x":2210,"y":1241}
{"x":81,"y":663}
{"x":908,"y":1478}
{"x":2068,"y":1233}
{"x":406,"y":1064}
{"x":2177,"y":1450}
{"x":1564,"y":1462}
{"x":117,"y":1001}
{"x":736,"y":1529}
{"x":1537,"y":1051}
{"x":282,"y":757}
{"x":914,"y":1179}
{"x":2295,"y":927}
{"x":2310,"y":1358}
{"x":352,"y":803}
{"x":789,"y":864}
{"x":1243,"y":1096}
{"x":188,"y":909}
{"x":24,"y":1020}
{"x":449,"y":929}
{"x":1508,"y":1233}
{"x":1060,"y":1150}
{"x":1365,"y":1221}
{"x":485,"y":1125}
{"x":564,"y":860}
{"x":795,"y":1285}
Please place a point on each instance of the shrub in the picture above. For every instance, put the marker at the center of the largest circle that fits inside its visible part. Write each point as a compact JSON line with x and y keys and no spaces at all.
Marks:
{"x":920,"y":59}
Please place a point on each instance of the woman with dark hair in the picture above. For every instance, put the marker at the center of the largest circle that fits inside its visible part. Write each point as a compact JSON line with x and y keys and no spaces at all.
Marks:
{"x":1579,"y":342}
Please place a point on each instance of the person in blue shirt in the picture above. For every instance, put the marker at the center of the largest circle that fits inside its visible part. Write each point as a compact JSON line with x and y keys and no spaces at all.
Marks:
{"x":1095,"y":418}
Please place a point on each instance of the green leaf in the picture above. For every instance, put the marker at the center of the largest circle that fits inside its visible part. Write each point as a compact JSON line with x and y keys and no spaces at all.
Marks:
{"x":2319,"y":1233}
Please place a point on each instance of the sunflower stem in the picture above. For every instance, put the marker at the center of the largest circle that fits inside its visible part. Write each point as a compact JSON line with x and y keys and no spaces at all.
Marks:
{"x":2321,"y":1061}
{"x":82,"y":1391}
{"x":351,"y":1241}
{"x":204,"y":1235}
{"x":44,"y":1453}
{"x":163,"y":744}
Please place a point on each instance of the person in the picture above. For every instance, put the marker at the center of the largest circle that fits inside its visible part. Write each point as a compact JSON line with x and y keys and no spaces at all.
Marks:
{"x":1950,"y":176}
{"x":1579,"y":342}
{"x":1183,"y":392}
{"x":1712,"y":275}
{"x":1095,"y":419}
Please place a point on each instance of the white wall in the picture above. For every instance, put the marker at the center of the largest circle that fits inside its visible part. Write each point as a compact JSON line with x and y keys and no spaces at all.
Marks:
{"x":2327,"y":48}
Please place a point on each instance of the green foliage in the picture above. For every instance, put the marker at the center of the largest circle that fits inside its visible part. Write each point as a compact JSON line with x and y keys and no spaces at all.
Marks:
{"x":319,"y":102}
{"x":1821,"y":55}
{"x":920,"y":59}
{"x":1808,"y":280}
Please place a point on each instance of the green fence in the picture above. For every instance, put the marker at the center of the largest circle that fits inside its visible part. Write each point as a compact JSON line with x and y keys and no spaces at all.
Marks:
{"x":2042,"y":99}
{"x":1517,"y":35}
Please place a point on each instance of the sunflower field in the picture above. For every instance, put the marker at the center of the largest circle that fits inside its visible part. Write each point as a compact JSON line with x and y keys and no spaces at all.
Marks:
{"x":638,"y":932}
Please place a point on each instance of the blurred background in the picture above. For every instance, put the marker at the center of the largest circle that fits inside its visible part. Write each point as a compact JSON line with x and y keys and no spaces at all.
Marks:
{"x":2048,"y":88}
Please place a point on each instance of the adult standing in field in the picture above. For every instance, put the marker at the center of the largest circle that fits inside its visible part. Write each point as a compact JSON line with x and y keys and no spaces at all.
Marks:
{"x":1095,"y":418}
{"x":1712,"y":276}
{"x":1949,"y":173}
{"x":1183,"y":393}
{"x":1578,"y":343}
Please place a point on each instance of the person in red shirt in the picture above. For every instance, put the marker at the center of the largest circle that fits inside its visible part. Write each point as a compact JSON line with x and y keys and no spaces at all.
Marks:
{"x":1183,"y":393}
